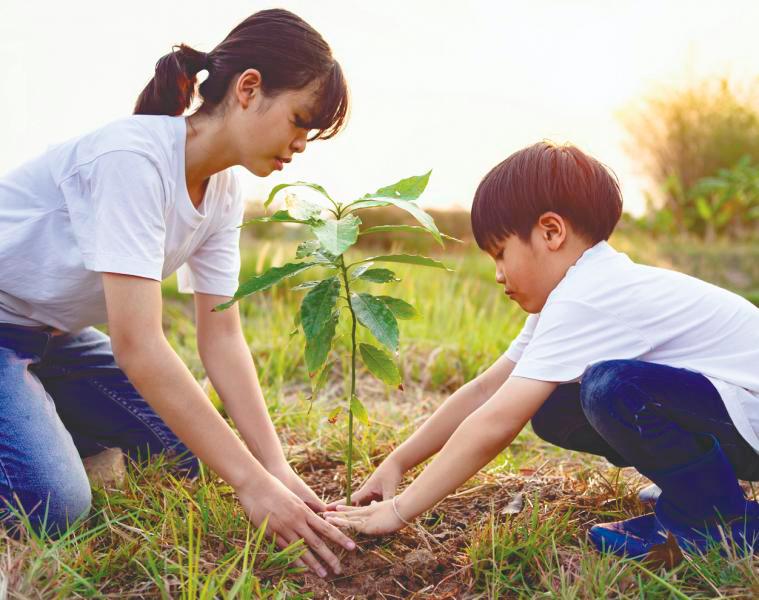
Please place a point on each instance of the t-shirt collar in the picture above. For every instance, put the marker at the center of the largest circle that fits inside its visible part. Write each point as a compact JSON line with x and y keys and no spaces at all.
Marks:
{"x":600,"y":250}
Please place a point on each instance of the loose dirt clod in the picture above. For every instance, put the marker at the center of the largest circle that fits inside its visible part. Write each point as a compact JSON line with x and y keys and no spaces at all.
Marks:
{"x":107,"y":468}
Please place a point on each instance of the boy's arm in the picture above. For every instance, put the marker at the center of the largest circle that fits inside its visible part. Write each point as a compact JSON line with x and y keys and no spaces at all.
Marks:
{"x":436,"y":430}
{"x":479,"y":438}
{"x":433,"y":433}
{"x":476,"y":442}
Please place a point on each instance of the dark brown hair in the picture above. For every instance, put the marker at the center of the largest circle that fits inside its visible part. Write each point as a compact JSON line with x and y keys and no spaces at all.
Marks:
{"x":288,"y":52}
{"x":541,"y":178}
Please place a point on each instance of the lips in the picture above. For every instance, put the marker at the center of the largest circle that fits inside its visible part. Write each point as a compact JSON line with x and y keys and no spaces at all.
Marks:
{"x":279,"y":163}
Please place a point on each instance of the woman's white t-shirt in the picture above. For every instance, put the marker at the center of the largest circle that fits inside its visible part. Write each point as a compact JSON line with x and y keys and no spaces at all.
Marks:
{"x":114,"y":200}
{"x":608,"y":307}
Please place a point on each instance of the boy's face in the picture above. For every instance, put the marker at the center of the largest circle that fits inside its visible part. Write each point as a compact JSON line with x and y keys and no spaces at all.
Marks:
{"x":530,"y":270}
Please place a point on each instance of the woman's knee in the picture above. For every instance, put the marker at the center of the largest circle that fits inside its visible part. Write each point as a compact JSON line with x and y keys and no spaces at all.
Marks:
{"x":50,"y":508}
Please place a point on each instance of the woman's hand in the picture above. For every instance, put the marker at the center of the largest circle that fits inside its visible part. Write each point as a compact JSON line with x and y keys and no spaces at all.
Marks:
{"x":381,"y":485}
{"x":290,"y":520}
{"x":378,"y":518}
{"x":297,"y":486}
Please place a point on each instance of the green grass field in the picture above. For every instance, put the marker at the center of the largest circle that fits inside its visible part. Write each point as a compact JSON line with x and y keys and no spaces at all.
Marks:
{"x":166,"y":538}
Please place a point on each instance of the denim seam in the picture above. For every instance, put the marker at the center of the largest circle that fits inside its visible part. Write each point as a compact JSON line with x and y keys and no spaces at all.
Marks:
{"x":125,"y":405}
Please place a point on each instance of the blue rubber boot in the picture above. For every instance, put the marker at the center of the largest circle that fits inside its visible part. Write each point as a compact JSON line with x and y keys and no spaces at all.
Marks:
{"x":649,"y":495}
{"x":633,"y":538}
{"x":701,"y":503}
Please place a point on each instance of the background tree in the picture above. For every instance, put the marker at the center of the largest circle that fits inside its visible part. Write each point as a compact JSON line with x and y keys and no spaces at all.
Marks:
{"x":699,"y":146}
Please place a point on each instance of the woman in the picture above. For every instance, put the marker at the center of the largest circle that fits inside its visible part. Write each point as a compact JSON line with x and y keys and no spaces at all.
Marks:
{"x":88,"y":231}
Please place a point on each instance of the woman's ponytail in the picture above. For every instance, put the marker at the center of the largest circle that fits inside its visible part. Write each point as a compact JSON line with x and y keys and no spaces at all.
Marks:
{"x":288,"y":52}
{"x":172,"y":88}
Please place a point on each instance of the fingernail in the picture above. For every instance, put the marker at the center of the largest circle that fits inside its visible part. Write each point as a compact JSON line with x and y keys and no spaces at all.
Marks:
{"x":351,"y":545}
{"x":322,"y":573}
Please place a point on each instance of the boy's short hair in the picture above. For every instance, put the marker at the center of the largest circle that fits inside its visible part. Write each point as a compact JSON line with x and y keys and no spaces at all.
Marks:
{"x":540,"y":178}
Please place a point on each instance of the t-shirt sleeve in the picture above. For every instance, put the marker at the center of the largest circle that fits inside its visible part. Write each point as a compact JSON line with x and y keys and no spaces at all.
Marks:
{"x":570,"y":336}
{"x":517,"y":346}
{"x":214,"y":268}
{"x":116,"y":205}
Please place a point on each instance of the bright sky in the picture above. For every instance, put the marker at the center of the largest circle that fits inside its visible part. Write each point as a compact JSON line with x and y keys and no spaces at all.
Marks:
{"x":454,"y":86}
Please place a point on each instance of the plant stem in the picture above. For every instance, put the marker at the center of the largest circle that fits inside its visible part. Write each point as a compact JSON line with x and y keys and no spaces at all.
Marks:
{"x":344,"y":270}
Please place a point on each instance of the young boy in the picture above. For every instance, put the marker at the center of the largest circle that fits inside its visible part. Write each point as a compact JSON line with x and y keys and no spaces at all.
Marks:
{"x":645,"y":366}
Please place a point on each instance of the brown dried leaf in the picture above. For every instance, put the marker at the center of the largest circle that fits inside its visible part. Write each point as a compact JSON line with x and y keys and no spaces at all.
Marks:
{"x":666,"y":555}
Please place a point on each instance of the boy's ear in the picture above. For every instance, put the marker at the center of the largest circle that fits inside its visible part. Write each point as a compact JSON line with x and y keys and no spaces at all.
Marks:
{"x":553,"y":230}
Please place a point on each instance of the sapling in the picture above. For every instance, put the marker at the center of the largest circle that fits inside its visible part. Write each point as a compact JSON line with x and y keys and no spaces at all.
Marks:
{"x":336,"y":227}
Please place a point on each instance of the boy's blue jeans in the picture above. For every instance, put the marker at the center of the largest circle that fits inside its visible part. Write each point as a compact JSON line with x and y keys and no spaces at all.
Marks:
{"x":649,"y":416}
{"x":63,"y":398}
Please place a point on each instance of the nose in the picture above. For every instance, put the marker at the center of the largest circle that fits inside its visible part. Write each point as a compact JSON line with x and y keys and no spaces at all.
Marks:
{"x":299,"y":143}
{"x":499,"y":277}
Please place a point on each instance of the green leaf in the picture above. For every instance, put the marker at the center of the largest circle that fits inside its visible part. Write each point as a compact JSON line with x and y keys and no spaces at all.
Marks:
{"x":278,"y":188}
{"x":318,"y":347}
{"x":334,"y":413}
{"x":318,"y":382}
{"x":409,"y":259}
{"x":400,"y":308}
{"x":425,"y":219}
{"x":704,"y":210}
{"x":302,"y":209}
{"x":360,"y":270}
{"x":374,"y":314}
{"x":316,"y":308}
{"x":325,"y":258}
{"x":307,"y":248}
{"x":306,"y":285}
{"x":358,"y":410}
{"x":281,"y":216}
{"x":296,"y":324}
{"x":265,"y":280}
{"x":337,"y":236}
{"x":381,"y":364}
{"x":406,"y":189}
{"x":408,"y":228}
{"x":378,"y":276}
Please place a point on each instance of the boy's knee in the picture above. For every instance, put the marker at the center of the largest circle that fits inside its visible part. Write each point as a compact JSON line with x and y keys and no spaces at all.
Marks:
{"x":551,"y":420}
{"x":600,"y":383}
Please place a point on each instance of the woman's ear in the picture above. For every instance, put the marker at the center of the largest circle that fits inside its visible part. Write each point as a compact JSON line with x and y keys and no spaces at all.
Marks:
{"x":553,"y":230}
{"x":247,"y":87}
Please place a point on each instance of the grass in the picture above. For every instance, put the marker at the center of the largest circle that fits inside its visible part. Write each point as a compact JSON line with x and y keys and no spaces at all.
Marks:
{"x":164,"y":537}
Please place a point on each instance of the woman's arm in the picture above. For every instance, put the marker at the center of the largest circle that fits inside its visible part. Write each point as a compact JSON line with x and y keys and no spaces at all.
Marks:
{"x":229,"y":365}
{"x":143,"y":353}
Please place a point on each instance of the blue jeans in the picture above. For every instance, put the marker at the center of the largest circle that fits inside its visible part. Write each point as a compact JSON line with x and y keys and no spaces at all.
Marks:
{"x":649,"y":416}
{"x":63,"y":398}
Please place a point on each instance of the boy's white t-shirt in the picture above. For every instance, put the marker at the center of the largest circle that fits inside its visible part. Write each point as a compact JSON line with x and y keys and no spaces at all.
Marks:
{"x":608,"y":307}
{"x":114,"y":200}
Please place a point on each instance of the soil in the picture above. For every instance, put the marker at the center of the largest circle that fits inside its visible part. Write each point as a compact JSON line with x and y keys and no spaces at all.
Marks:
{"x":430,"y":560}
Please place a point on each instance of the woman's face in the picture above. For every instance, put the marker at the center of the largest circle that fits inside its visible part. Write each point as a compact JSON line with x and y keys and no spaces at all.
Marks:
{"x":269,"y":130}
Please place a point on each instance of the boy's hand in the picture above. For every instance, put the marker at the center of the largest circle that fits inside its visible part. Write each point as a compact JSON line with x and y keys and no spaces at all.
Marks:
{"x":378,"y":518}
{"x":381,"y":485}
{"x":297,"y":486}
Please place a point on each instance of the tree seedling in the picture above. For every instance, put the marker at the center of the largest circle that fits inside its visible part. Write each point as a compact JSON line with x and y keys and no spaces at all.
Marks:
{"x":336,"y":227}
